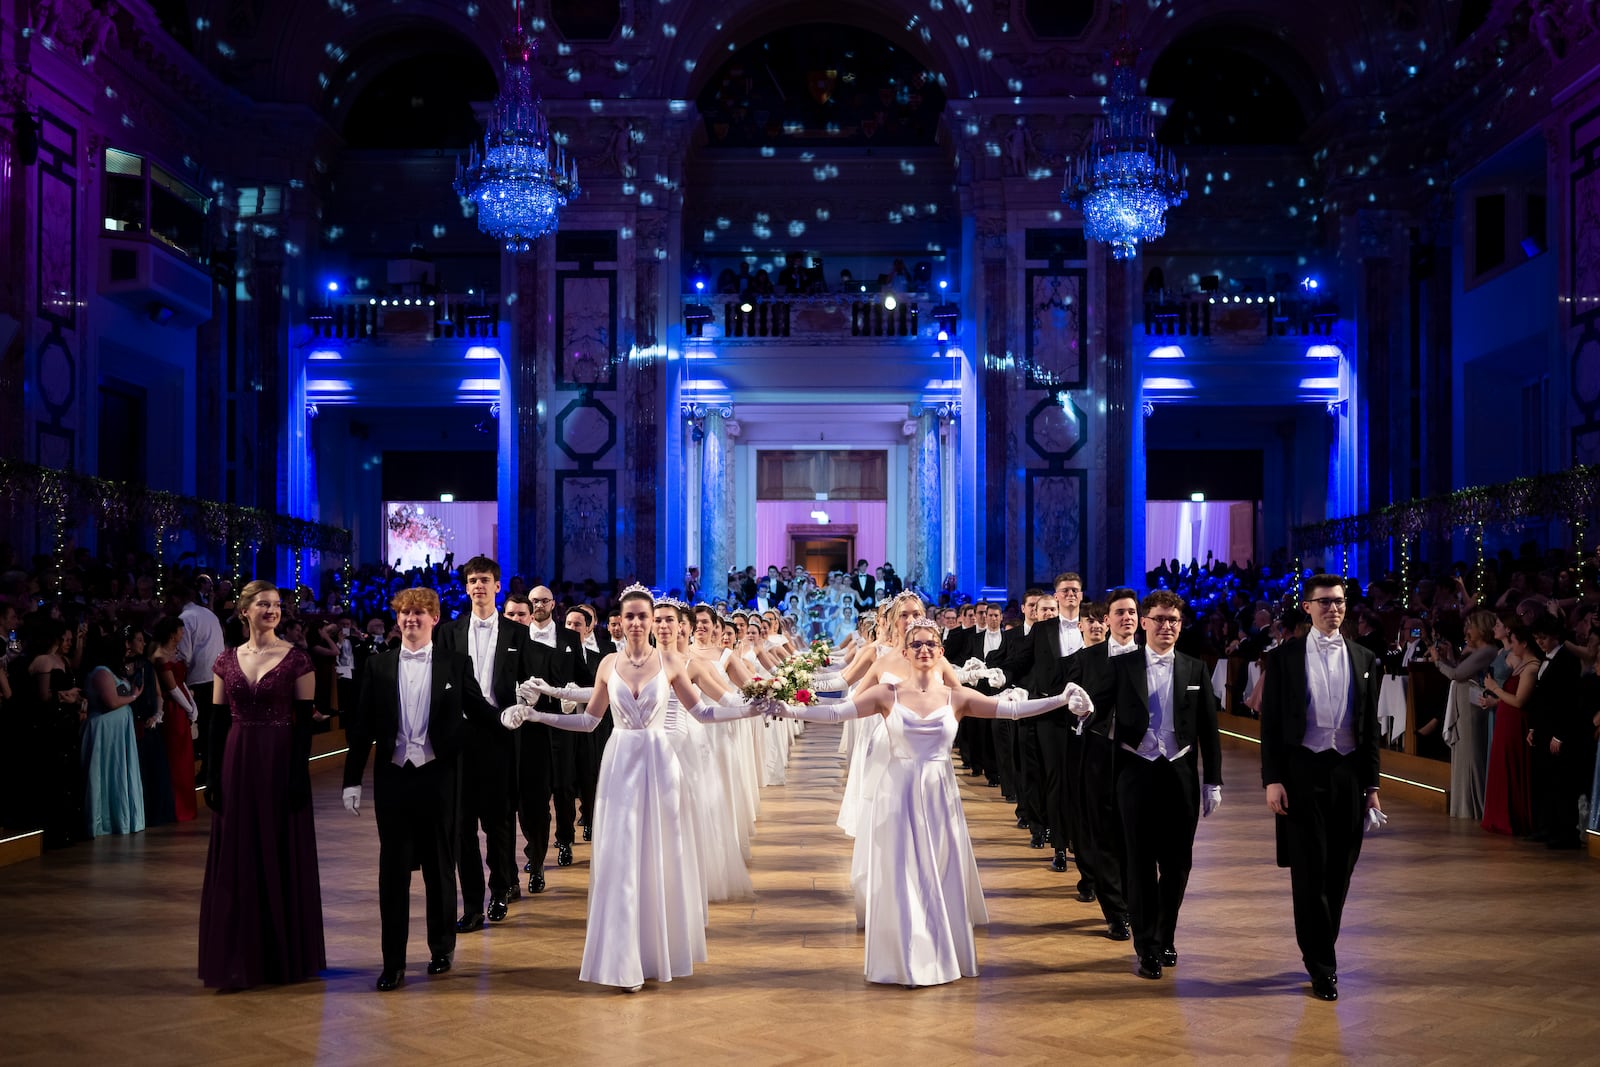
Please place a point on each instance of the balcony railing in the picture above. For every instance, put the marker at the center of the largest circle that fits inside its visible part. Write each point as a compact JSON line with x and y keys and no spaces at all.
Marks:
{"x":372,"y":318}
{"x":801,"y":316}
{"x":1240,"y":317}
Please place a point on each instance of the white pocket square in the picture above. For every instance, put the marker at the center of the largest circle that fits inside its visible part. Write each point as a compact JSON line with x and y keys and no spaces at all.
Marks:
{"x":449,"y":685}
{"x":1367,"y":675}
{"x":1192,"y":688}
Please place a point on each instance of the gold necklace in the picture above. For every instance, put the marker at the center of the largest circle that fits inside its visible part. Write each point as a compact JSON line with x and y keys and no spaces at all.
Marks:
{"x":636,"y":662}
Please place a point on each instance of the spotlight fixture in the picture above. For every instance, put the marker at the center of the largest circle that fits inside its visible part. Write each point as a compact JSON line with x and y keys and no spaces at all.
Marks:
{"x":889,"y":303}
{"x":747,"y":307}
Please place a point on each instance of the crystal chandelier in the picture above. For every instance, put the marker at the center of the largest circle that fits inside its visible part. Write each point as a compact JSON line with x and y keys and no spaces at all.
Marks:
{"x":1122,"y":180}
{"x":521,"y":180}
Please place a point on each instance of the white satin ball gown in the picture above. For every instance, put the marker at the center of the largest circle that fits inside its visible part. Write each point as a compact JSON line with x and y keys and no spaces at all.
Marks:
{"x":646,"y":903}
{"x":921,"y":883}
{"x":707,"y":810}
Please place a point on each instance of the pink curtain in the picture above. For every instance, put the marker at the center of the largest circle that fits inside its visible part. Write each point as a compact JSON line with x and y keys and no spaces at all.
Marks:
{"x":774,"y":517}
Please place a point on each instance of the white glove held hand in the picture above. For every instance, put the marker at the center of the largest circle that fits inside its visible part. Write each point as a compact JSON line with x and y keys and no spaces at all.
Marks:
{"x":511,"y":718}
{"x":352,"y":799}
{"x":1210,"y":799}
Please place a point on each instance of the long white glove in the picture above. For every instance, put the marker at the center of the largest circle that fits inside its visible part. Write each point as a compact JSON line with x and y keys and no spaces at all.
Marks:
{"x":1013,"y":708}
{"x":352,"y":799}
{"x":578,"y":724}
{"x":844,"y":709}
{"x":970,"y":675}
{"x":1210,"y":799}
{"x":995,"y":677}
{"x":973,"y":664}
{"x":529,"y":691}
{"x":734,"y":706}
{"x":181,"y":697}
{"x":511,"y":718}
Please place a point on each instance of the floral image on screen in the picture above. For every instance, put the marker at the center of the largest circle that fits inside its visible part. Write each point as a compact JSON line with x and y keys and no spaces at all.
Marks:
{"x":415,"y":537}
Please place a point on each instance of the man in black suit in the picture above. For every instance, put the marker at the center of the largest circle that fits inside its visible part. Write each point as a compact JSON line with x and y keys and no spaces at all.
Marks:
{"x":1041,"y":663}
{"x":538,"y":748}
{"x":1319,"y":763}
{"x":416,"y":702}
{"x":1559,"y":731}
{"x":1100,"y":849}
{"x":1164,"y":723}
{"x":865,"y":586}
{"x":588,"y":748}
{"x":499,"y":649}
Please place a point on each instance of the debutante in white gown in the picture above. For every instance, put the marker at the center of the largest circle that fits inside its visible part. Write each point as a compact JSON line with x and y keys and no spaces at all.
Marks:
{"x":646,"y":903}
{"x":922,"y":892}
{"x":706,"y":808}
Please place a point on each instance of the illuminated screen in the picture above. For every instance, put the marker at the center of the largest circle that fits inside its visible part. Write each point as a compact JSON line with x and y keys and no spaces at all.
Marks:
{"x":418,"y":533}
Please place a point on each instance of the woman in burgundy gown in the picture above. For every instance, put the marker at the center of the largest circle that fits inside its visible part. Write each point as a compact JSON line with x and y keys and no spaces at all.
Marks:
{"x":1508,"y":798}
{"x":261,"y":905}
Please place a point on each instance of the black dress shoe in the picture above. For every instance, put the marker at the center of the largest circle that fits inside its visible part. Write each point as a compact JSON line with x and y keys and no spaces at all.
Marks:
{"x":498,"y":907}
{"x":588,"y":834}
{"x":1149,"y":967}
{"x":1047,"y":834}
{"x":1117,"y":929}
{"x":1086,"y":892}
{"x":514,"y":892}
{"x":1036,"y":841}
{"x":527,"y":868}
{"x":1060,"y":862}
{"x":469,"y":924}
{"x":1325,"y":986}
{"x":1169,"y":957}
{"x":536,"y":882}
{"x":390,"y":978}
{"x":1022,"y":824}
{"x":563,"y":855}
{"x":439,"y":964}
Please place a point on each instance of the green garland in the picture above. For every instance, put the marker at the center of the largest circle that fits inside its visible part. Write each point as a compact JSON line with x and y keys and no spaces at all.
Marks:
{"x":75,"y":498}
{"x":1566,"y":495}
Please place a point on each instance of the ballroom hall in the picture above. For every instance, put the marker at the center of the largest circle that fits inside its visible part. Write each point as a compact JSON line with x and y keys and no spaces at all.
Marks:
{"x":1278,"y":319}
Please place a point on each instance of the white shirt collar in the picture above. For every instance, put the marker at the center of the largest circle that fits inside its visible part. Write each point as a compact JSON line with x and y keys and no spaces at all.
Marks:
{"x":1116,"y":648}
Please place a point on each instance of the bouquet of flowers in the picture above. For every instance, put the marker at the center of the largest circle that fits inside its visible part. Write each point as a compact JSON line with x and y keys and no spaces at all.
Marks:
{"x":789,"y":684}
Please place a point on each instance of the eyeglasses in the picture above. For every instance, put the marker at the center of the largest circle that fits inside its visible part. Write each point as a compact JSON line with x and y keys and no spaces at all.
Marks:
{"x":1328,"y":601}
{"x":914,"y":645}
{"x":1163,"y":621}
{"x":540,"y":600}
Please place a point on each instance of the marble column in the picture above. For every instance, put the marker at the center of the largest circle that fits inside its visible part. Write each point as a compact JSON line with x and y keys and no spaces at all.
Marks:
{"x":716,"y":502}
{"x":924,"y":532}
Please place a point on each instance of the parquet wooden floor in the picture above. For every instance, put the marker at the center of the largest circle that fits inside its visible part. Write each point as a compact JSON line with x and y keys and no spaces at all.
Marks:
{"x":1458,"y":948}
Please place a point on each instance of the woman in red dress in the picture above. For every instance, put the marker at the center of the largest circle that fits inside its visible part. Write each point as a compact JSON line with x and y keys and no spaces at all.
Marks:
{"x":178,"y":713}
{"x":1508,"y":800}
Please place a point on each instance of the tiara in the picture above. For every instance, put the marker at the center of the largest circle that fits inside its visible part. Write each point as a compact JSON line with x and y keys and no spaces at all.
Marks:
{"x":922,"y":623}
{"x":908,"y":594}
{"x":637,"y":590}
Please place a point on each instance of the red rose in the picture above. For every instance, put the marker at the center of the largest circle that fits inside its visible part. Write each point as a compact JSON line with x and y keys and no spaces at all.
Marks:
{"x":802,"y":696}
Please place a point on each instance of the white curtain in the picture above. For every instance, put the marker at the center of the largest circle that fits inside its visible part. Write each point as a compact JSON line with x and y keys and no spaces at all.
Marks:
{"x":1186,"y":530}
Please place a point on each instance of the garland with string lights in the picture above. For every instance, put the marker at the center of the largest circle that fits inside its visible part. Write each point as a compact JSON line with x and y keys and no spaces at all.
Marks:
{"x":1570,"y":495}
{"x":68,"y":498}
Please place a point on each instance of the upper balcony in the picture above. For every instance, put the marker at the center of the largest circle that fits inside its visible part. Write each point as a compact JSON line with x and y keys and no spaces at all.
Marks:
{"x":818,"y":319}
{"x":1241,"y":318}
{"x":405,"y":318}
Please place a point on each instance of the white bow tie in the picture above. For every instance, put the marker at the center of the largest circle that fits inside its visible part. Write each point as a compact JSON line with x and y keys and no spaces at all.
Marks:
{"x":1164,"y":660}
{"x":418,"y":654}
{"x":1069,"y":624}
{"x":1326,"y":644}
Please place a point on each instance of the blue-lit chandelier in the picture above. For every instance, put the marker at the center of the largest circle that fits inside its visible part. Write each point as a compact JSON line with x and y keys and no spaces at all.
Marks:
{"x":1122,"y":180}
{"x":521,"y":180}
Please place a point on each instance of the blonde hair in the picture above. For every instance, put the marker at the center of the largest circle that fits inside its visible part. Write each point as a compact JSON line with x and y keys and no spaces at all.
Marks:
{"x":248,"y":595}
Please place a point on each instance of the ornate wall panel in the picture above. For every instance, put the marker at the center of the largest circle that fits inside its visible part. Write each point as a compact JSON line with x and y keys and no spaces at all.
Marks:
{"x":1058,"y":502}
{"x":1057,"y":328}
{"x":1582,"y":233}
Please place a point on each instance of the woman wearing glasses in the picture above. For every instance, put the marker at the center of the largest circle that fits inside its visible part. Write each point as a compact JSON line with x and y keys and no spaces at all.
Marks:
{"x":923,"y":895}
